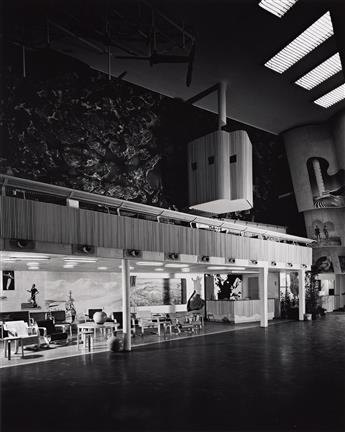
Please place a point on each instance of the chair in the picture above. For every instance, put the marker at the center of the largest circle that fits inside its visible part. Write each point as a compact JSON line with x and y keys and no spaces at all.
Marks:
{"x":37,"y":316}
{"x":118,"y":317}
{"x":52,"y":332}
{"x":91,"y":313}
{"x":25,"y":335}
{"x":59,"y":317}
{"x":145,"y":321}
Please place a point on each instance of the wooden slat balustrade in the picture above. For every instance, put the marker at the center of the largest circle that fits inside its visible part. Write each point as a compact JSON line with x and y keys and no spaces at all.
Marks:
{"x":34,"y":220}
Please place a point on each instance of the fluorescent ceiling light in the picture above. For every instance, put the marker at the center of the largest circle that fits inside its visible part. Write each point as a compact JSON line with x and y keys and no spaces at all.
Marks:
{"x":102,"y":268}
{"x":28,"y":258}
{"x":32,"y":263}
{"x":277,"y":7}
{"x":321,"y":73}
{"x":332,"y":97}
{"x":159,"y":269}
{"x":217,"y":268}
{"x":306,"y":42}
{"x":69,"y":265}
{"x":185,"y":270}
{"x":80,"y":260}
{"x":173,"y":265}
{"x":33,"y":268}
{"x":130,"y":268}
{"x":149,"y":263}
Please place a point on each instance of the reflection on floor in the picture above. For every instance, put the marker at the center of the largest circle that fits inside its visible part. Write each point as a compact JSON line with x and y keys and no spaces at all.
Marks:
{"x":55,"y":352}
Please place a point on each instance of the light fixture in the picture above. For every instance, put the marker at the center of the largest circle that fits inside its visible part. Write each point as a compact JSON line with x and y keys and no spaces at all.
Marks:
{"x":302,"y":45}
{"x":217,"y":268}
{"x":332,"y":97}
{"x":173,"y":265}
{"x":159,"y":269}
{"x":289,"y":264}
{"x":32,"y":263}
{"x":133,"y":253}
{"x":277,"y":7}
{"x":273,"y":263}
{"x":102,"y":268}
{"x":80,"y":259}
{"x":173,"y":256}
{"x":253,"y":261}
{"x":33,"y":268}
{"x":149,"y":263}
{"x":304,"y":266}
{"x":205,"y":258}
{"x":27,"y":257}
{"x":130,"y":268}
{"x":236,"y":268}
{"x":231,"y":260}
{"x":185,"y":270}
{"x":321,"y":73}
{"x":69,"y":265}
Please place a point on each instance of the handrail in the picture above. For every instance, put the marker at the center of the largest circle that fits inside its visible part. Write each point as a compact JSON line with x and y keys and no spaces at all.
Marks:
{"x":88,"y":197}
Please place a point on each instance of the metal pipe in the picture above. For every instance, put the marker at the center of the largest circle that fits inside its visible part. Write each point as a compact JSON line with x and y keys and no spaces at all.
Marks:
{"x":86,"y":42}
{"x":24,"y":61}
{"x":109,"y":63}
{"x":222,"y":87}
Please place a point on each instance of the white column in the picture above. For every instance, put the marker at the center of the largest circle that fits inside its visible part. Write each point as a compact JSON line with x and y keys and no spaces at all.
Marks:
{"x":126,"y":310}
{"x":301,"y":294}
{"x":263,"y":292}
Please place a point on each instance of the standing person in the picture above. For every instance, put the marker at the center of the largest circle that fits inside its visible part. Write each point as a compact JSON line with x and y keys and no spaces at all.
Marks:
{"x":33,"y":291}
{"x":317,"y":233}
{"x":325,"y":231}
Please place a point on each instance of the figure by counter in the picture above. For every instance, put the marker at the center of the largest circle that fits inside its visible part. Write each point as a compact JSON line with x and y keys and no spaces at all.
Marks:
{"x":33,"y":291}
{"x":325,"y":231}
{"x":317,"y":233}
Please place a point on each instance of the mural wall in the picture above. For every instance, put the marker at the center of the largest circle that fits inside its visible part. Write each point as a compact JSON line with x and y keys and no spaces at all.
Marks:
{"x":69,"y":125}
{"x":94,"y":290}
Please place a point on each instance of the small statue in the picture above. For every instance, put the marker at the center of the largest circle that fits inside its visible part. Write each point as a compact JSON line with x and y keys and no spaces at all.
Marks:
{"x":70,"y":309}
{"x":33,"y":291}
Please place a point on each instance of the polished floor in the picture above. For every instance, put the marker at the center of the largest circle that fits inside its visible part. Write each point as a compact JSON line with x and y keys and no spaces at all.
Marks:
{"x":285,"y":378}
{"x":60,"y":351}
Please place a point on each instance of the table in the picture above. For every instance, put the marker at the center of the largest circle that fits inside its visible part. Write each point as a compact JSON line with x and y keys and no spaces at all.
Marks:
{"x":92,"y":326}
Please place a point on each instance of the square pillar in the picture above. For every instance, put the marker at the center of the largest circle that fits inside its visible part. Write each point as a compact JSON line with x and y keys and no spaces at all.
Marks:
{"x":126,"y":310}
{"x":301,"y":294}
{"x":263,"y":293}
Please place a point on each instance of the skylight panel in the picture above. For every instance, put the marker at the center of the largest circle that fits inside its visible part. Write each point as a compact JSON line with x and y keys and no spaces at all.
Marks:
{"x":306,"y":42}
{"x":277,"y":7}
{"x":321,"y":73}
{"x":332,"y":97}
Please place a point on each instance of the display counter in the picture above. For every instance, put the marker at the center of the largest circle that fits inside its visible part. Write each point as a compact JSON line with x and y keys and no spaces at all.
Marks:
{"x":238,"y":311}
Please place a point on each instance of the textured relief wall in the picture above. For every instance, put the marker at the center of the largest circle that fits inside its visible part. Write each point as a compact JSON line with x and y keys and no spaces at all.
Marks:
{"x":69,"y":125}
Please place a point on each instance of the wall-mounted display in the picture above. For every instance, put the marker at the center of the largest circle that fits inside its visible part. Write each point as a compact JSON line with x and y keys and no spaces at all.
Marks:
{"x":8,"y":282}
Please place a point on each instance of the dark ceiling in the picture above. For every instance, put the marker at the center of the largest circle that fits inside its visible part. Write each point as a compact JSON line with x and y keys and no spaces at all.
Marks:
{"x":233,"y":41}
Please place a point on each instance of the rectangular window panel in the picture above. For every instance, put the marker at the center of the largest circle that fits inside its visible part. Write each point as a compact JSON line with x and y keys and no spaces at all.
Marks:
{"x":306,"y":42}
{"x":332,"y":97}
{"x":321,"y":73}
{"x":277,"y":7}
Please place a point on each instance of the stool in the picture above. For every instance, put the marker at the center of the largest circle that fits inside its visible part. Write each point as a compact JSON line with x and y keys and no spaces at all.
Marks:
{"x":7,"y":346}
{"x":87,"y":336}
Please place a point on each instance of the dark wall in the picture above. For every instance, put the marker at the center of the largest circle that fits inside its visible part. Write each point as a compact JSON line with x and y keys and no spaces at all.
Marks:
{"x":69,"y":125}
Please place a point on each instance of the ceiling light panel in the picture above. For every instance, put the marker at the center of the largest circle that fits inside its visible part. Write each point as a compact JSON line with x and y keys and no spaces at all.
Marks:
{"x":277,"y":7}
{"x":306,"y":42}
{"x":332,"y":97}
{"x":321,"y":73}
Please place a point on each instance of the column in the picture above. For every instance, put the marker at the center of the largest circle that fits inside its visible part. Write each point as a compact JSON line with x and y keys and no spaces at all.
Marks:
{"x":263,"y":292}
{"x":301,"y":294}
{"x":126,"y":310}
